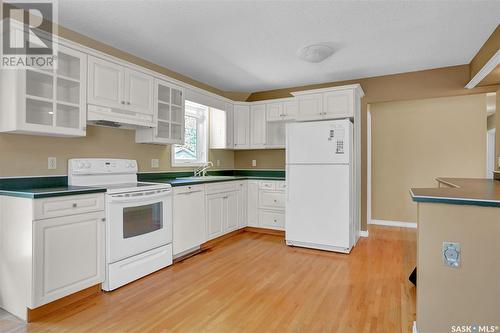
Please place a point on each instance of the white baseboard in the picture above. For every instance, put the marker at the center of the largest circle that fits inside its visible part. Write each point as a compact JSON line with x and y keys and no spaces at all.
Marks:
{"x":389,"y":223}
{"x":363,"y":233}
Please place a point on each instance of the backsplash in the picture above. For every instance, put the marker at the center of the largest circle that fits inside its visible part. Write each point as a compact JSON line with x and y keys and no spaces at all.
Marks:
{"x":26,"y":155}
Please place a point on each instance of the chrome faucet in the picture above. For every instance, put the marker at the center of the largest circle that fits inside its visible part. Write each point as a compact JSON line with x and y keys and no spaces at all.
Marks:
{"x":202,"y":170}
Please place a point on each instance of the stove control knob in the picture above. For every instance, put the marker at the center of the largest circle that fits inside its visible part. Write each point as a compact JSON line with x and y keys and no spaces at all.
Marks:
{"x":87,"y":165}
{"x":80,"y":165}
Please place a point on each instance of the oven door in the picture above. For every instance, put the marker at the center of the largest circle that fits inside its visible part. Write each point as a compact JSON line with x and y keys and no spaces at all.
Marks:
{"x":137,"y":222}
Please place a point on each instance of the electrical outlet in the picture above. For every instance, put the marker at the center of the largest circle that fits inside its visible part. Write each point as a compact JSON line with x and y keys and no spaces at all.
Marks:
{"x":451,"y":254}
{"x":155,"y":163}
{"x":52,"y":163}
{"x":217,"y":163}
{"x":254,"y":163}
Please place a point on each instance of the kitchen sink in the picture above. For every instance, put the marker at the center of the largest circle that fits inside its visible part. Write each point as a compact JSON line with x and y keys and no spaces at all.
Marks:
{"x":207,"y":178}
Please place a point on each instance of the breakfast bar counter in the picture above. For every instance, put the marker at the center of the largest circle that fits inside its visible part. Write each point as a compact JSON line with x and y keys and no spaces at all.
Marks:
{"x":458,"y":261}
{"x":461,"y":191}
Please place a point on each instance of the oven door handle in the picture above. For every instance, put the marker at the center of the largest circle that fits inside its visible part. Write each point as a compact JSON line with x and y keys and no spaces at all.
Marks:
{"x":134,"y":197}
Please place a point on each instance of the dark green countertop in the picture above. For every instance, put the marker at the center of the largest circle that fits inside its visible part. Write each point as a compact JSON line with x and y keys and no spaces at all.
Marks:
{"x":184,"y":181}
{"x":47,"y":192}
{"x":53,"y":186}
{"x":42,"y":187}
{"x":180,"y":178}
{"x":461,"y":191}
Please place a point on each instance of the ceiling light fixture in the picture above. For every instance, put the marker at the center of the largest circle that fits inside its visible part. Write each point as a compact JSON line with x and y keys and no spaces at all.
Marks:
{"x":315,"y":53}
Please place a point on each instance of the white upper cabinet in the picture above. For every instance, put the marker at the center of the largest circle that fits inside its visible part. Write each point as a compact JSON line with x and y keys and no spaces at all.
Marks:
{"x":290,"y":109}
{"x":229,"y":125}
{"x":329,"y":103}
{"x":310,"y":107}
{"x":46,"y":101}
{"x":258,"y":126}
{"x":221,"y":127}
{"x":274,"y":111}
{"x":241,"y":126}
{"x":338,"y":104}
{"x":116,"y":86}
{"x":139,"y":91}
{"x":106,"y":81}
{"x":286,"y":109}
{"x":168,"y":116}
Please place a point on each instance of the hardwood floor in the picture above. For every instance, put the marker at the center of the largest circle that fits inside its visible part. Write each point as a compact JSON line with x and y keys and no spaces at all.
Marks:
{"x":254,"y":283}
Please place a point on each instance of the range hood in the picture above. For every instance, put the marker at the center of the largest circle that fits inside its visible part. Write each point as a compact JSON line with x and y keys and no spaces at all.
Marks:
{"x":104,"y":116}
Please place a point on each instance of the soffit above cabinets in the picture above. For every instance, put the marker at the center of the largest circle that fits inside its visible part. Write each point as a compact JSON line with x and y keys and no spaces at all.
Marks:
{"x":252,"y":45}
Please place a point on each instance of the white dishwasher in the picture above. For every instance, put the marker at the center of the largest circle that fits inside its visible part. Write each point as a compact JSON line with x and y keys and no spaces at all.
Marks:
{"x":188,"y":219}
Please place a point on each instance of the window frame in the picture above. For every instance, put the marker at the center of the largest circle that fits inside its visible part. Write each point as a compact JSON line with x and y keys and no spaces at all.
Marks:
{"x":200,"y":112}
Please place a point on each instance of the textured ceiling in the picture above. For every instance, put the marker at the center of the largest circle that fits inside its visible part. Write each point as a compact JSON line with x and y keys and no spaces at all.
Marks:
{"x":252,"y":45}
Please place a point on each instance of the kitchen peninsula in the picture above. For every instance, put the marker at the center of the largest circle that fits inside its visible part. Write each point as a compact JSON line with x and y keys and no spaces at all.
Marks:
{"x":465,"y":213}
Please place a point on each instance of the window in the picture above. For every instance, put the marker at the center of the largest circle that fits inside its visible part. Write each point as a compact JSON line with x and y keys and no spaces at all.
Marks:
{"x":194,"y":150}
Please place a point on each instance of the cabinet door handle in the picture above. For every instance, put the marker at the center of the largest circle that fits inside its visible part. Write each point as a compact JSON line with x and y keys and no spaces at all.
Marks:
{"x":123,"y":102}
{"x":128,"y":103}
{"x":74,"y":205}
{"x":103,"y":219}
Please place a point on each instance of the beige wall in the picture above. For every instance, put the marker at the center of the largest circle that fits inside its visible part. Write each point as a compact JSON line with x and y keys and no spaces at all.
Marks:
{"x":415,"y":141}
{"x":26,"y":155}
{"x":266,"y":159}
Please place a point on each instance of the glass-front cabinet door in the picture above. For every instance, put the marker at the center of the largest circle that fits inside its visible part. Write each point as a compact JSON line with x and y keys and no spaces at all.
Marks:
{"x":55,"y":99}
{"x":169,"y":114}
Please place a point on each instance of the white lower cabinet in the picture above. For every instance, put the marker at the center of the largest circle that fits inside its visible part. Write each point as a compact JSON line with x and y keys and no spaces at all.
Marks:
{"x":222,"y":213}
{"x":49,"y":248}
{"x":231,"y":212}
{"x":266,"y":204}
{"x":204,"y":212}
{"x":215,"y":215}
{"x":253,"y":203}
{"x":272,"y":219}
{"x":242,"y":204}
{"x":68,"y":255}
{"x":188,"y":218}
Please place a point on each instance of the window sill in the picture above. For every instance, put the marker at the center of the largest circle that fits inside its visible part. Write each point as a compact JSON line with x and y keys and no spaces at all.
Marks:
{"x":187,"y":165}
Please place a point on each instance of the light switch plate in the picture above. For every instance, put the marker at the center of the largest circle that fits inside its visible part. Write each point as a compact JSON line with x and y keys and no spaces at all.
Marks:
{"x":52,"y":163}
{"x":254,"y":163}
{"x":451,"y":254}
{"x":155,"y":163}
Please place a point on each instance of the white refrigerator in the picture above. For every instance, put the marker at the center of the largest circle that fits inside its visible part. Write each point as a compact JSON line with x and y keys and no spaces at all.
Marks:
{"x":320,"y":207}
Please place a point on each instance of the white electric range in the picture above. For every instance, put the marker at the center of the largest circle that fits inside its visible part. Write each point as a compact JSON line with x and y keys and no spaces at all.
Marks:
{"x":138,"y":218}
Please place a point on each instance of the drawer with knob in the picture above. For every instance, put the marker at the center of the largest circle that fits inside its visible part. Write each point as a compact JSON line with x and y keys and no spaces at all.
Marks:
{"x":272,"y":200}
{"x":68,"y":205}
{"x":272,"y":220}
